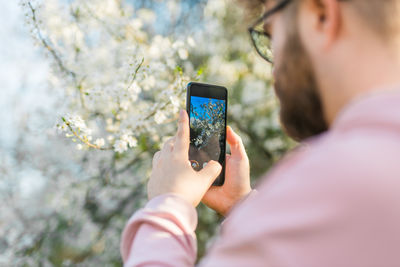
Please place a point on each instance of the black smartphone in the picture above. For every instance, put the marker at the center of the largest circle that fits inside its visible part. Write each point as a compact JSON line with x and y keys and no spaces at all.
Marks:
{"x":206,"y":106}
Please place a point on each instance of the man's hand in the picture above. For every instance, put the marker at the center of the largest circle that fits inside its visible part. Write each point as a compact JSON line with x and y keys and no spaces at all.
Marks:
{"x":172,"y":172}
{"x":237,"y":178}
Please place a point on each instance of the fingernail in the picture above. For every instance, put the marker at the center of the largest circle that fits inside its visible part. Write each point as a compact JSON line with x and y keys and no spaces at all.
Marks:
{"x":182,"y":113}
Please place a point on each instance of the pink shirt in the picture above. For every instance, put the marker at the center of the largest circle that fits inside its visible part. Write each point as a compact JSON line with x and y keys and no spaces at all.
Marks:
{"x":333,"y":201}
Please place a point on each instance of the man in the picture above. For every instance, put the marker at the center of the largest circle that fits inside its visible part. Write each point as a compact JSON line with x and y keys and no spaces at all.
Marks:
{"x":335,"y":200}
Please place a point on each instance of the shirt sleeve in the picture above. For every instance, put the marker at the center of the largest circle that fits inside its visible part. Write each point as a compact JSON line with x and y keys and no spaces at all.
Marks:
{"x":161,"y":234}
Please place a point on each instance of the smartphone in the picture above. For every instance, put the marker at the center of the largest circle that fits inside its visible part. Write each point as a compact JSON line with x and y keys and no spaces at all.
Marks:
{"x":206,"y":106}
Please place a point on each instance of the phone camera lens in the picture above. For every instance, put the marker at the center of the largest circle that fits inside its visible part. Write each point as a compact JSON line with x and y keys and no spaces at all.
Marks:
{"x":195,"y":165}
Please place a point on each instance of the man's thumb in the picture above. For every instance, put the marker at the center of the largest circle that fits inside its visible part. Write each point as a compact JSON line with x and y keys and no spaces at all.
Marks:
{"x":211,"y":170}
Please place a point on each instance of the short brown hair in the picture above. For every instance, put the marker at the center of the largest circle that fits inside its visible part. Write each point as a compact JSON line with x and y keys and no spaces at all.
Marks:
{"x":253,"y":8}
{"x":383,"y":16}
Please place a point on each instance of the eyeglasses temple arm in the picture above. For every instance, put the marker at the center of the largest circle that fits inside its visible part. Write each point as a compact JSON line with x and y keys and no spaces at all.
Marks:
{"x":269,"y":12}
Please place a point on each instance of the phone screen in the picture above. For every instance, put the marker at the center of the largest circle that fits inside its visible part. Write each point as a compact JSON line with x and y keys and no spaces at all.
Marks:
{"x":207,"y":129}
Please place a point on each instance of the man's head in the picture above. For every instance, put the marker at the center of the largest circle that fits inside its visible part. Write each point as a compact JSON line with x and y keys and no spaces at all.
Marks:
{"x":324,"y":56}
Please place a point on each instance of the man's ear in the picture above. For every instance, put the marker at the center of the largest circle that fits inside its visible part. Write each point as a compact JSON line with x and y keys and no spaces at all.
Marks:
{"x":327,"y":19}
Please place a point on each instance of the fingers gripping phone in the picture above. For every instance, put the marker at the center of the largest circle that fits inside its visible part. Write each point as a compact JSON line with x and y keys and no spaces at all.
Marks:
{"x":206,"y":106}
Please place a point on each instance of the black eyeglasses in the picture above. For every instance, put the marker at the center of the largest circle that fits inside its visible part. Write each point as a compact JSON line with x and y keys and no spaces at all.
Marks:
{"x":261,"y":39}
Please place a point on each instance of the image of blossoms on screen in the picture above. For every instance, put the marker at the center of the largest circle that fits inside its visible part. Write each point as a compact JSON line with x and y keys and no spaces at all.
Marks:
{"x":206,"y":120}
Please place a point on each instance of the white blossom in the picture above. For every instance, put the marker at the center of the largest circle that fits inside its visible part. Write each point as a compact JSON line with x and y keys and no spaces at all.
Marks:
{"x":134,"y":89}
{"x":99,"y":142}
{"x":191,"y":42}
{"x":183,"y":53}
{"x":120,"y":146}
{"x":174,"y":101}
{"x":130,"y":140}
{"x":159,"y":117}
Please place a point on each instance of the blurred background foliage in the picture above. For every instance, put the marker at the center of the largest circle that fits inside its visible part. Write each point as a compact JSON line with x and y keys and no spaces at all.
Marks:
{"x":63,"y":206}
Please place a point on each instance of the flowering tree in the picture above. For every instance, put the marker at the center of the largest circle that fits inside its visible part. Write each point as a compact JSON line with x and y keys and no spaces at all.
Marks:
{"x":206,"y":120}
{"x":119,"y":83}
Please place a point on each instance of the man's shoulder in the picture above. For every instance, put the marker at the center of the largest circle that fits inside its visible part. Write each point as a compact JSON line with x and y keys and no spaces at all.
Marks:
{"x":330,"y":191}
{"x":337,"y":161}
{"x":336,"y":152}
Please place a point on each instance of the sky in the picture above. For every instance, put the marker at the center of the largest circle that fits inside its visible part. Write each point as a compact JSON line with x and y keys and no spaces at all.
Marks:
{"x":197,"y":101}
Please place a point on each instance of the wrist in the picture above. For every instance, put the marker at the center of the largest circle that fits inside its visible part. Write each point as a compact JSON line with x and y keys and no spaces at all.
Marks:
{"x":175,"y":204}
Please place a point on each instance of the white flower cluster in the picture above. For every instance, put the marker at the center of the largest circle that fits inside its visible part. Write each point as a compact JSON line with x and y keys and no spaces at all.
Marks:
{"x":121,"y":145}
{"x":115,"y":75}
